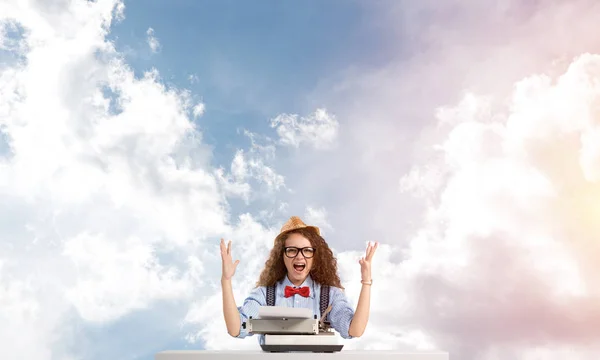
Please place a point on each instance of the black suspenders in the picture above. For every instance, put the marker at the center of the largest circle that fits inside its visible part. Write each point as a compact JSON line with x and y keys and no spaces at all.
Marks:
{"x":271,"y":295}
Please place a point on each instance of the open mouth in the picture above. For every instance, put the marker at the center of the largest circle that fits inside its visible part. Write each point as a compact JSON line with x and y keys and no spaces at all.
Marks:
{"x":299,"y":267}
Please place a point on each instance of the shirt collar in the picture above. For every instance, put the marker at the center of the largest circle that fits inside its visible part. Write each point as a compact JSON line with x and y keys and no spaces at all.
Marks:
{"x":307,"y":282}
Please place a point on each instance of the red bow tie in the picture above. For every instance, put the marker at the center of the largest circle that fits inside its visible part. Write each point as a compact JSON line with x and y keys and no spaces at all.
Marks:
{"x":303,"y":291}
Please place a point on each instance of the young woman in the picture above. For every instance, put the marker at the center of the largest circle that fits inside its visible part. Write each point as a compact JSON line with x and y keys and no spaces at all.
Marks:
{"x":300,"y":264}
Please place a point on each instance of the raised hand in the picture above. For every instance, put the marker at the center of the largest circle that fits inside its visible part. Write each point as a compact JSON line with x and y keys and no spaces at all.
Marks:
{"x":365,"y":262}
{"x":228,"y":265}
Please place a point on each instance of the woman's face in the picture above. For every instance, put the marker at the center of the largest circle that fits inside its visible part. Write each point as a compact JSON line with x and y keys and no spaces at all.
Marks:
{"x":297,"y":261}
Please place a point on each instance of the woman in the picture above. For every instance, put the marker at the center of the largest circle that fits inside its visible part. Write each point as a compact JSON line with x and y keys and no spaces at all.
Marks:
{"x":299,"y":266}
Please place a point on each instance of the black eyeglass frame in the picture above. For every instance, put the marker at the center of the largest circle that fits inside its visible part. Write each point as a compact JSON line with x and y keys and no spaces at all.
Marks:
{"x":299,"y":250}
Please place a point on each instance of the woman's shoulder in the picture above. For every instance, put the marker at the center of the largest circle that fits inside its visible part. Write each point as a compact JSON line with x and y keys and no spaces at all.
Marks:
{"x":258,"y":290}
{"x":336,"y":289}
{"x":331,"y":285}
{"x":333,"y":289}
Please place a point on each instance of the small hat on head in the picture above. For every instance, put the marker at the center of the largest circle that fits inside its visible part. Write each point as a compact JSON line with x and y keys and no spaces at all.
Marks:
{"x":295,"y":223}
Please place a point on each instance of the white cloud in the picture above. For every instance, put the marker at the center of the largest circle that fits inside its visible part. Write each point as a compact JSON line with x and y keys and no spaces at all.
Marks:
{"x":318,"y":130}
{"x":511,"y":221}
{"x":152,"y":40}
{"x":422,"y":181}
{"x":257,"y":163}
{"x":114,"y":279}
{"x":253,"y":167}
{"x":239,"y":168}
{"x":199,"y":110}
{"x":318,"y":217}
{"x":106,"y":194}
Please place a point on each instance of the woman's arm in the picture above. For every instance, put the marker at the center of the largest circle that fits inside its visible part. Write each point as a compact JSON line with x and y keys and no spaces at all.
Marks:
{"x":361,"y":315}
{"x":230,"y":310}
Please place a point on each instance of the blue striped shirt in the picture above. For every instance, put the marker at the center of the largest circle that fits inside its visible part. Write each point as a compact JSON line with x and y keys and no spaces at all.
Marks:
{"x":340,"y":315}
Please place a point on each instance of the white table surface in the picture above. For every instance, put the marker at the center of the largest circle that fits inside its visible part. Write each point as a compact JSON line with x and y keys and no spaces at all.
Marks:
{"x":260,"y":355}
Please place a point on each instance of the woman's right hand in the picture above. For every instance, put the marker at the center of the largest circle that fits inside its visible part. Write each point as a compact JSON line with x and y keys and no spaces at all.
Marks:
{"x":228,"y":265}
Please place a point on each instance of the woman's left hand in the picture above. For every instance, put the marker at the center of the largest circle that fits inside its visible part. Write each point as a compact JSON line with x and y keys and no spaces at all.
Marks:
{"x":365,"y":262}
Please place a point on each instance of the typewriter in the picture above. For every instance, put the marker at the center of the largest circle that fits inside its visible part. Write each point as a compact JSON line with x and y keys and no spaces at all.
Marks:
{"x":293,"y":330}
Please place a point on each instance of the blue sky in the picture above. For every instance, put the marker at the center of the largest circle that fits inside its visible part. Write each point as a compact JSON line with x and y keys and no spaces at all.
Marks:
{"x":435,"y":128}
{"x":252,"y":60}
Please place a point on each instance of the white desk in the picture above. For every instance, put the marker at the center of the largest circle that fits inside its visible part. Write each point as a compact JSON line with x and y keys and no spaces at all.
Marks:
{"x":260,"y":355}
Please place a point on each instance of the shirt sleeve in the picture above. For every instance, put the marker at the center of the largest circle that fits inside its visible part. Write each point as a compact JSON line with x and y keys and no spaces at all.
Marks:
{"x":252,"y":303}
{"x":341,"y":313}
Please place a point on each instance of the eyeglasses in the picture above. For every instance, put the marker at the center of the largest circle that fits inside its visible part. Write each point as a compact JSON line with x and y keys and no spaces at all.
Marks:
{"x":292,"y":252}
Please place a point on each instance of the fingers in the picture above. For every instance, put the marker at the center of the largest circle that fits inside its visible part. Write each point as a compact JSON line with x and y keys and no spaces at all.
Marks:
{"x":223,"y":249}
{"x":226,"y":248}
{"x":371,"y":250}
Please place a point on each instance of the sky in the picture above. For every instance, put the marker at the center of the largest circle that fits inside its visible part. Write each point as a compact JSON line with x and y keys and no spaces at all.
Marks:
{"x":463,"y":136}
